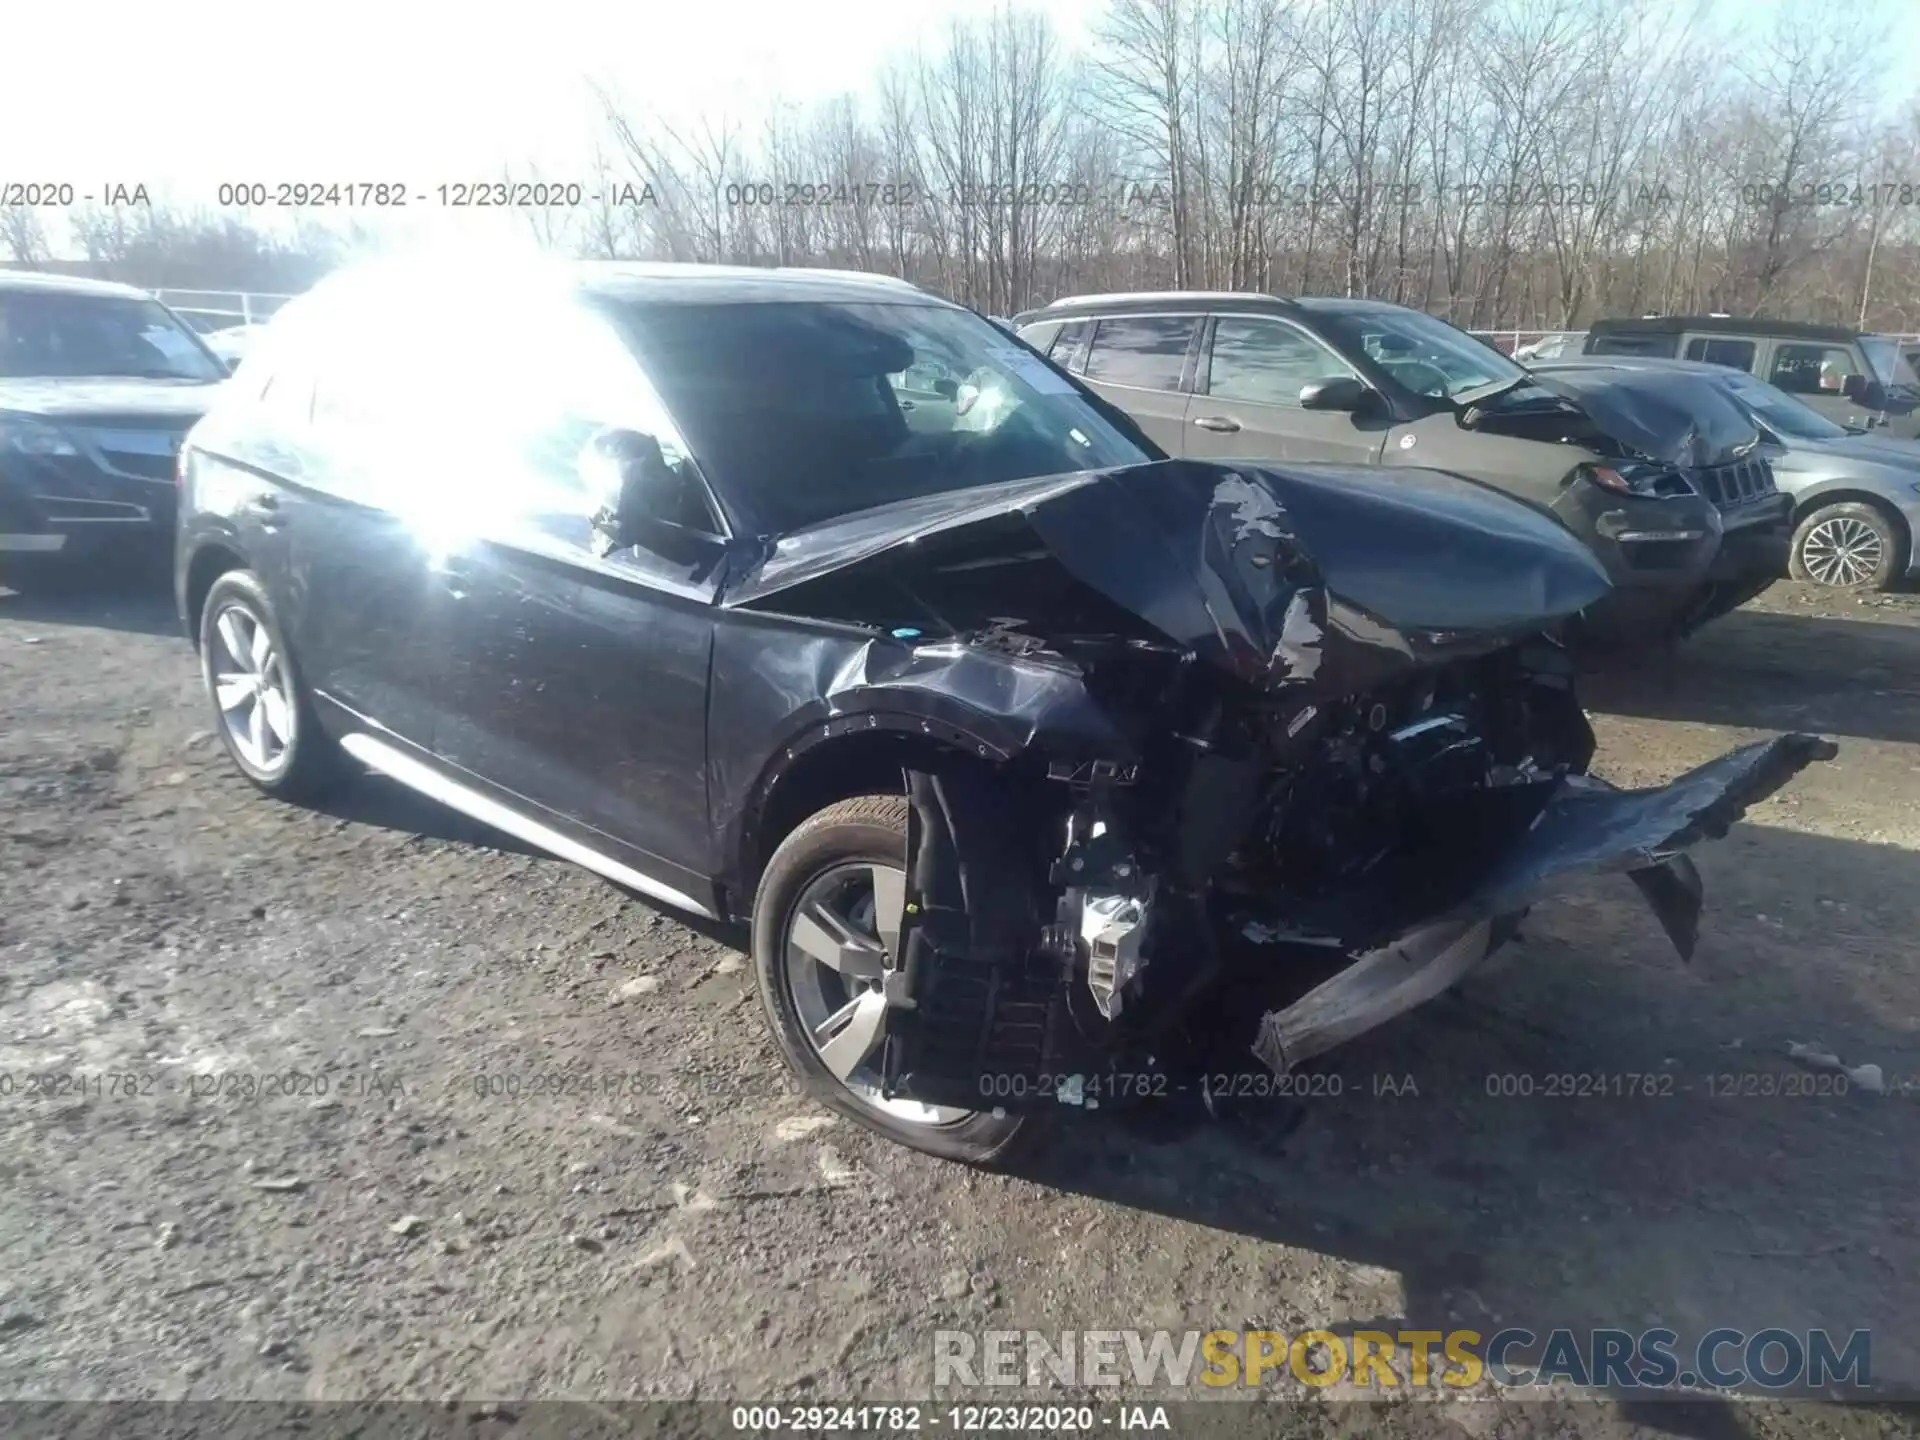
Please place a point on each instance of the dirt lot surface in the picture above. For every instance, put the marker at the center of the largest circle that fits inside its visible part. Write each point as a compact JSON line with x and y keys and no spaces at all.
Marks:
{"x":441,"y":1223}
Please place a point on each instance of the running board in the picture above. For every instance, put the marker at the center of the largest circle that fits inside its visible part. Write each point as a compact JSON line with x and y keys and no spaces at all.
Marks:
{"x":380,"y":756}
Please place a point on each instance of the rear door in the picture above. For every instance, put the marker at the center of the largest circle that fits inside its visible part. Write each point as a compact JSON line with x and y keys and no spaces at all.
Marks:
{"x":1143,"y":364}
{"x":1246,"y":401}
{"x":378,"y":488}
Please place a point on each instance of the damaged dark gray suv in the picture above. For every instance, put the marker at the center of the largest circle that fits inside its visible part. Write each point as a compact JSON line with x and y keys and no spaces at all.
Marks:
{"x":1663,"y":478}
{"x":1018,"y":745}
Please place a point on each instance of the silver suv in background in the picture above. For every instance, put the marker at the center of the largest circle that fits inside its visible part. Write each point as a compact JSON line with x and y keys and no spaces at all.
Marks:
{"x":1857,"y":380}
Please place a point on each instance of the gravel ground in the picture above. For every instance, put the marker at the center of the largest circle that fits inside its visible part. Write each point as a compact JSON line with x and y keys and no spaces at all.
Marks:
{"x":440,"y":1223}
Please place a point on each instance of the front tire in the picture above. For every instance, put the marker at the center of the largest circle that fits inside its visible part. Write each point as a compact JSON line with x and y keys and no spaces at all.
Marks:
{"x":1848,"y":546}
{"x":825,"y":923}
{"x":262,"y":712}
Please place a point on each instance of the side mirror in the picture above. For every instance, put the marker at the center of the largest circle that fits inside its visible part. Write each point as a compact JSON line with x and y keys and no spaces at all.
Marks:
{"x":947,"y":389}
{"x":1855,"y":388}
{"x":1344,"y":392}
{"x":627,"y":470}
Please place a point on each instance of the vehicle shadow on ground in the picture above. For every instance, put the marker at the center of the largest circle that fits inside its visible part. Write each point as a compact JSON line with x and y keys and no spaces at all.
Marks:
{"x":1771,"y":670}
{"x":1571,"y":1139}
{"x":371,"y":799}
{"x":136,"y":604}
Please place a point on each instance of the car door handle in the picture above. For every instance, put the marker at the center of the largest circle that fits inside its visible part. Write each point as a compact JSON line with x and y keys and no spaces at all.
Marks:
{"x":1221,"y":423}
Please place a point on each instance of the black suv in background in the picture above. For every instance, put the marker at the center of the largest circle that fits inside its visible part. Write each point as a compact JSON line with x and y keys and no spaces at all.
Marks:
{"x":1661,"y":477}
{"x":99,"y":384}
{"x":1855,"y":379}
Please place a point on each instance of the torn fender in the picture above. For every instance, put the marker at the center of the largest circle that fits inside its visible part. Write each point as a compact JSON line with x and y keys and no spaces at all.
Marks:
{"x":1587,"y":828}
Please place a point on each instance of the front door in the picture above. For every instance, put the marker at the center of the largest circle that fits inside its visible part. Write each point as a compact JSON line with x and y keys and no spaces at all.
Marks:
{"x":1246,"y":401}
{"x":575,"y":673}
{"x":1818,"y":375}
{"x":578,"y":684}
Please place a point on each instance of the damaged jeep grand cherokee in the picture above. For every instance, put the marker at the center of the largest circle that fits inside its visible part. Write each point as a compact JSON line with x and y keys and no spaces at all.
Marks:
{"x":1033,"y":758}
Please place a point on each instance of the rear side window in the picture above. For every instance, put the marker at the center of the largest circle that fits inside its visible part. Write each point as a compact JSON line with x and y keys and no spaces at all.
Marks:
{"x":1737,"y":354}
{"x":1069,"y":342}
{"x":1146,"y":352}
{"x":1627,"y":343}
{"x":1812,"y":369}
{"x":1040,"y":334}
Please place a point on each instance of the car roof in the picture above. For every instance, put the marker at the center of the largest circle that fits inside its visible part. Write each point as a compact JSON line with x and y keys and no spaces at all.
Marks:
{"x":67,"y":284}
{"x":1724,"y":325}
{"x":1208,"y":301}
{"x":675,"y":283}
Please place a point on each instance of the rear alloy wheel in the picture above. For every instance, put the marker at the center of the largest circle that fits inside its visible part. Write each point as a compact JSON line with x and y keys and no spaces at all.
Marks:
{"x":264,"y":717}
{"x":1848,"y":546}
{"x":826,"y":929}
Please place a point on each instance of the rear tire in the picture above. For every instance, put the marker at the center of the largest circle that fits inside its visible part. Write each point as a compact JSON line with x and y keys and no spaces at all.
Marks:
{"x":867,"y":833}
{"x":1850,"y":545}
{"x":261,"y":709}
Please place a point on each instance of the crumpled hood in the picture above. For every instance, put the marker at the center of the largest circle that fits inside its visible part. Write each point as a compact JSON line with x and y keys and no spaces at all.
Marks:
{"x":1251,"y":567}
{"x":106,"y":397}
{"x":1673,"y":416}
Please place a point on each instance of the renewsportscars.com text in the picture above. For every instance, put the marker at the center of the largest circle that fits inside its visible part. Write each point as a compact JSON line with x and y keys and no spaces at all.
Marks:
{"x":1512,"y":1358}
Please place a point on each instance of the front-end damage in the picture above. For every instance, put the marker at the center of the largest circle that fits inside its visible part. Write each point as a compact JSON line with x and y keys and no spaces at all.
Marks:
{"x":1245,"y":727}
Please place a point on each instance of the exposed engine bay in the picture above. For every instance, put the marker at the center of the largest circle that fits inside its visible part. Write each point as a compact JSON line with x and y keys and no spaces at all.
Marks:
{"x":1255,"y":735}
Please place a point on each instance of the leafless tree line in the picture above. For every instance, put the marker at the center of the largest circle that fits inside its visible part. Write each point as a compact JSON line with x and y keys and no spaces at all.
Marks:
{"x":1530,"y":163}
{"x":1504,"y":163}
{"x":157,"y":246}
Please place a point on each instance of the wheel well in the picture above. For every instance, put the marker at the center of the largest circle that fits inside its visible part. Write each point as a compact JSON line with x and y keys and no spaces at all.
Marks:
{"x":209,"y":564}
{"x":1853,"y":497}
{"x":867,"y":763}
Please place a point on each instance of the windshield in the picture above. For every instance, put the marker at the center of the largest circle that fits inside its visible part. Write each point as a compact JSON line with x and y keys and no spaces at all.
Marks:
{"x":1426,"y":355}
{"x":1781,"y":412}
{"x":47,"y":333}
{"x":1890,"y":367}
{"x":806,"y":411}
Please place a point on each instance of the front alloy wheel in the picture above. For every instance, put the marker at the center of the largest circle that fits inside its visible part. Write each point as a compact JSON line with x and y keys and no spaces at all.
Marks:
{"x":1849,"y":546}
{"x":826,"y":931}
{"x":841,"y":937}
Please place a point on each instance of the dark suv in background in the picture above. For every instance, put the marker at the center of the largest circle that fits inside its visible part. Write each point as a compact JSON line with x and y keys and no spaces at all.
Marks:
{"x":99,"y":384}
{"x":1858,"y":380}
{"x":1662,"y":477}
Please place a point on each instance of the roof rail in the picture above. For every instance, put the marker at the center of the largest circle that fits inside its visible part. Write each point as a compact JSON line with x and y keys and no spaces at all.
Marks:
{"x":1130,"y":295}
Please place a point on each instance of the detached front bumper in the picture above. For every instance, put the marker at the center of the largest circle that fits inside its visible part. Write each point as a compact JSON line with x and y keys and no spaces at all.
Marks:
{"x":1587,"y":828}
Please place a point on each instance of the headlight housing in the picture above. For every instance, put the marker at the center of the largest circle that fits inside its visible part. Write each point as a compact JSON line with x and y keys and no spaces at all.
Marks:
{"x":1644,"y":478}
{"x":24,"y":435}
